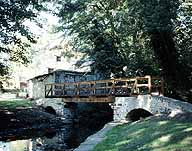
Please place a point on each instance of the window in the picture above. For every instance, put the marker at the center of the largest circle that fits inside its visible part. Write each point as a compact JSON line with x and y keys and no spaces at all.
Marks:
{"x":50,"y":70}
{"x":58,"y":58}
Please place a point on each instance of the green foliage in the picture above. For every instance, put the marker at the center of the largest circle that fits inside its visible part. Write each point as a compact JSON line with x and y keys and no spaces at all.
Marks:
{"x":168,"y":25}
{"x":109,"y":37}
{"x":145,"y":36}
{"x":12,"y":16}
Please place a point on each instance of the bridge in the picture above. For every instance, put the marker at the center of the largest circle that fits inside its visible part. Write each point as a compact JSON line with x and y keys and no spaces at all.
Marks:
{"x":104,"y":90}
{"x":125,"y":95}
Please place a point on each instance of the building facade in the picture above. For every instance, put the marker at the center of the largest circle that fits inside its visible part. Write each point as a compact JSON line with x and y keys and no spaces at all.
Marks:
{"x":36,"y":85}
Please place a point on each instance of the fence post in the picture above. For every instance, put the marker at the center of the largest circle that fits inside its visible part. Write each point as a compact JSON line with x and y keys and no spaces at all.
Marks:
{"x":45,"y":90}
{"x":63,"y":90}
{"x":51,"y":89}
{"x":94,"y":88}
{"x":113,"y":87}
{"x":162,"y":86}
{"x":78,"y":89}
{"x":149,"y":84}
{"x":135,"y":86}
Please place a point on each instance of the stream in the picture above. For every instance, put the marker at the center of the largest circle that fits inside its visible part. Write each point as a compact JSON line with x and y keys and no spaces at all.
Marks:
{"x":66,"y":138}
{"x":36,"y":130}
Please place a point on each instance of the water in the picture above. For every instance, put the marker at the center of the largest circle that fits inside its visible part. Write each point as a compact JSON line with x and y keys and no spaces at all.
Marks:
{"x":63,"y":139}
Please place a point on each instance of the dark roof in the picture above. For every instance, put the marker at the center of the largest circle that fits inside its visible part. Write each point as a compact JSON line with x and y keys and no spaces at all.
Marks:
{"x":69,"y":71}
{"x":41,"y":76}
{"x":66,"y":71}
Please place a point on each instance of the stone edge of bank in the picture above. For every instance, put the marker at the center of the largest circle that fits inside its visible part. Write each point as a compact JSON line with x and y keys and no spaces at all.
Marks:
{"x":93,"y":140}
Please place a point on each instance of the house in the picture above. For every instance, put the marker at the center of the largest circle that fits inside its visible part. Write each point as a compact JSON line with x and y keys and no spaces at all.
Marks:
{"x":36,"y":85}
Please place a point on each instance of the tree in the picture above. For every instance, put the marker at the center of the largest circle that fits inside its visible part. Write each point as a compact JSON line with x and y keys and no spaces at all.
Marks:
{"x":108,"y":40}
{"x":142,"y":35}
{"x":159,"y":17}
{"x":12,"y":16}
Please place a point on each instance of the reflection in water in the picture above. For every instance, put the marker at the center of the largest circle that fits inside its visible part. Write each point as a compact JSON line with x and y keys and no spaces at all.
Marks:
{"x":54,"y":140}
{"x":20,"y":145}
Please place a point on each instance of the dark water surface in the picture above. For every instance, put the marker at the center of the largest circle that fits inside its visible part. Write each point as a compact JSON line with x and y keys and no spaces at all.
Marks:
{"x":63,"y":139}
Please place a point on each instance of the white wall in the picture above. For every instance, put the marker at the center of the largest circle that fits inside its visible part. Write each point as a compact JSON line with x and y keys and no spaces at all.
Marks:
{"x":36,"y":87}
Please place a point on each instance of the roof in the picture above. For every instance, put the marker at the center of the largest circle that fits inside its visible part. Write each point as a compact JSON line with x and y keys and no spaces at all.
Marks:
{"x":69,"y":71}
{"x":66,"y":71}
{"x":41,"y":76}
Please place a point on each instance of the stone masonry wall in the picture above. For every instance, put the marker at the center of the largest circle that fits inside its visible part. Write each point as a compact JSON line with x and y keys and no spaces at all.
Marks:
{"x":153,"y":104}
{"x":58,"y":105}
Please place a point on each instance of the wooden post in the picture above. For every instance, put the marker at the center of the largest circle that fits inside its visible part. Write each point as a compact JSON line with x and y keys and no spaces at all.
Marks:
{"x":78,"y":89}
{"x":51,"y":89}
{"x":149,"y":84}
{"x":63,"y":89}
{"x":113,"y":87}
{"x":162,"y":86}
{"x":94,"y":88}
{"x":45,"y":90}
{"x":135,"y":86}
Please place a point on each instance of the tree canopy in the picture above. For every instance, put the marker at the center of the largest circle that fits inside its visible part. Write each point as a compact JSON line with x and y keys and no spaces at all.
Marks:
{"x":108,"y":36}
{"x":15,"y":37}
{"x":117,"y":37}
{"x":148,"y":37}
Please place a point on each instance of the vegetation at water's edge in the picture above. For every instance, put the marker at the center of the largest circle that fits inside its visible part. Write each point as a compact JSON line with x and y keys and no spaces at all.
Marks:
{"x":12,"y":104}
{"x":149,"y":135}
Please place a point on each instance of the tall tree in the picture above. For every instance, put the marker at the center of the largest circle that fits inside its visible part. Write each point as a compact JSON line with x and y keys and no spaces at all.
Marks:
{"x":133,"y":33}
{"x":159,"y":17}
{"x":102,"y":32}
{"x":12,"y":16}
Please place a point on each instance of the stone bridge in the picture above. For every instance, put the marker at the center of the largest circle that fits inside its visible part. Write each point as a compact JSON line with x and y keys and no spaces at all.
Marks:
{"x":123,"y":106}
{"x":138,"y":96}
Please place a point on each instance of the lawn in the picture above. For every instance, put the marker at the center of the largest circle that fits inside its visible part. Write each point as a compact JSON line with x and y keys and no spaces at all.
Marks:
{"x":13,"y":104}
{"x":149,"y":135}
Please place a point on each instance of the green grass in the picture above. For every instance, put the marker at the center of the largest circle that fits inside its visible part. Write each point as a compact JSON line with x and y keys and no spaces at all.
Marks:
{"x":13,"y":104}
{"x":149,"y":135}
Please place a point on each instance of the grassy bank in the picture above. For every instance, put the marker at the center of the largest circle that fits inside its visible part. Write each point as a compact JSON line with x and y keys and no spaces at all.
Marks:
{"x":13,"y":104}
{"x":154,"y":134}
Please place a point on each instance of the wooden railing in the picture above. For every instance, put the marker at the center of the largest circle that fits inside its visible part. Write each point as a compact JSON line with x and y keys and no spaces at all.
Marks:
{"x":106,"y":88}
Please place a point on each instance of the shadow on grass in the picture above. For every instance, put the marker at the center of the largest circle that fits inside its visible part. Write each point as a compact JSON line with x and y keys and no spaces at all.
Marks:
{"x":13,"y":104}
{"x":158,"y":135}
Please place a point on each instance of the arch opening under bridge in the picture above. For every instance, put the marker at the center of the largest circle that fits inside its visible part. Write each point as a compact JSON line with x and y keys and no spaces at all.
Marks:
{"x":137,"y":114}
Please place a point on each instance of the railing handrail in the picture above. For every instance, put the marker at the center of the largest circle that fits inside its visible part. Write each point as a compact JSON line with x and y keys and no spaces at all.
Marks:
{"x":93,"y":86}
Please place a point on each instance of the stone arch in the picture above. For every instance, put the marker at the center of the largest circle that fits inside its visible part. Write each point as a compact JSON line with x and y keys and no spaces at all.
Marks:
{"x":137,"y":114}
{"x":50,"y":109}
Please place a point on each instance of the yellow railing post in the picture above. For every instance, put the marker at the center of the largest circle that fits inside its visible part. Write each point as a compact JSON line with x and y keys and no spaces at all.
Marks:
{"x":135,"y":86}
{"x":149,"y":84}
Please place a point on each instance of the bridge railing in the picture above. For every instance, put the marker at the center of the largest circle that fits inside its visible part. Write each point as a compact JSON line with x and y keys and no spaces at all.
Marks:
{"x":105,"y":88}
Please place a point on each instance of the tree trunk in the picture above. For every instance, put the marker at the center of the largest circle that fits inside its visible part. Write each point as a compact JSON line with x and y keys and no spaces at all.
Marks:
{"x":175,"y":74}
{"x":165,"y":51}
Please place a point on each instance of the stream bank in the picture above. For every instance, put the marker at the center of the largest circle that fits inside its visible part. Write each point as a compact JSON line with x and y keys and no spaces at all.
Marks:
{"x":34,"y":128}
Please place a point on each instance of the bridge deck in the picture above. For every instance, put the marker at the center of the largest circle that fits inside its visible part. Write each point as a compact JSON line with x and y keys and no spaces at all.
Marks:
{"x":104,"y":90}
